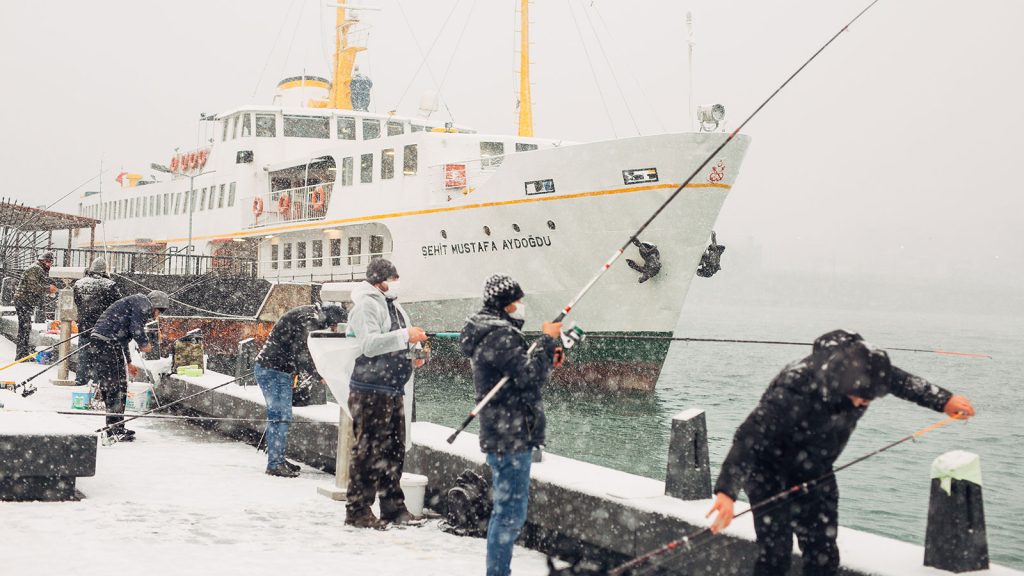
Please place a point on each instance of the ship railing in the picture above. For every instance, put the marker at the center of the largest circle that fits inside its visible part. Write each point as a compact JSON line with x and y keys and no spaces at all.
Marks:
{"x":317,"y":270}
{"x":147,"y":262}
{"x":290,"y":205}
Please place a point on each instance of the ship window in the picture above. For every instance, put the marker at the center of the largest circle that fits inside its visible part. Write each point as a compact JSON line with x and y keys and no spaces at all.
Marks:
{"x":213,"y":196}
{"x":167,"y":204}
{"x":366,"y":168}
{"x":234,"y":127}
{"x":416,"y":128}
{"x":266,"y":126}
{"x":274,"y":254}
{"x":355,"y":246}
{"x":124,"y":208}
{"x":202,"y":200}
{"x":524,"y":147}
{"x":336,"y":252}
{"x":220,"y":197}
{"x":395,"y":128}
{"x":318,"y":253}
{"x":346,"y":171}
{"x":300,"y":255}
{"x":177,"y":203}
{"x":376,"y":247}
{"x":231,"y":195}
{"x":224,"y":134}
{"x":491,"y":155}
{"x":346,"y":128}
{"x":288,"y":255}
{"x":409,"y":160}
{"x":307,"y":126}
{"x":387,"y":164}
{"x":185,"y":202}
{"x":246,"y":125}
{"x":371,"y":129}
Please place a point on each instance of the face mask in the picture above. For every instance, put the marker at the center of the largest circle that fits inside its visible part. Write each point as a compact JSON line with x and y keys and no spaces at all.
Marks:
{"x":393,"y":290}
{"x":519,"y":313}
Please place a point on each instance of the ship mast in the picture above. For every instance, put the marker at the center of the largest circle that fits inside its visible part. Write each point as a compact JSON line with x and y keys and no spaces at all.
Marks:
{"x":340,"y":95}
{"x":525,"y":104}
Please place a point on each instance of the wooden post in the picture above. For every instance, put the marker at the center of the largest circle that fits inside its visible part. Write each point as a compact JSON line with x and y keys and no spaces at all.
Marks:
{"x":65,"y":314}
{"x":92,"y":243}
{"x":346,"y":438}
{"x":67,"y":253}
{"x":689,"y":472}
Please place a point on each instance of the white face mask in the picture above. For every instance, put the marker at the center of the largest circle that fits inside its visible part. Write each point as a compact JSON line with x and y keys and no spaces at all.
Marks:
{"x":393,"y":290}
{"x":519,"y":313}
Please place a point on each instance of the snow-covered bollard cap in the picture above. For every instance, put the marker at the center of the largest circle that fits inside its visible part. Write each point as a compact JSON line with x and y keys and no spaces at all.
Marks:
{"x":956,"y":465}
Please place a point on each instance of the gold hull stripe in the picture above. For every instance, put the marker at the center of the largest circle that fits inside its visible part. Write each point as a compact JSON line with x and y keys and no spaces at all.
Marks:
{"x":329,"y":223}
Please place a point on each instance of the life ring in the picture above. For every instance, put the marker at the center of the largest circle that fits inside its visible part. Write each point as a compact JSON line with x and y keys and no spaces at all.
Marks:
{"x":202,"y":157}
{"x":284,"y":202}
{"x":257,"y":206}
{"x":174,"y":163}
{"x":317,"y":198}
{"x":192,"y":159}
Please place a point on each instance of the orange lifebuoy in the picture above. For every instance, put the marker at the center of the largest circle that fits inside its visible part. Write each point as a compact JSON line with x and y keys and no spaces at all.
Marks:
{"x":202,"y":157}
{"x":284,"y":202}
{"x":317,"y":198}
{"x":257,"y":206}
{"x":192,"y":159}
{"x":174,"y":163}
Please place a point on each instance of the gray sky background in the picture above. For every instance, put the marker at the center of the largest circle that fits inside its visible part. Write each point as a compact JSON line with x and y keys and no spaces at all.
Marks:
{"x":895,"y":154}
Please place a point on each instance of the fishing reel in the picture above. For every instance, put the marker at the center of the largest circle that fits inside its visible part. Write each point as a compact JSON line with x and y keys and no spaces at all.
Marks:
{"x":420,"y":353}
{"x":572,"y":336}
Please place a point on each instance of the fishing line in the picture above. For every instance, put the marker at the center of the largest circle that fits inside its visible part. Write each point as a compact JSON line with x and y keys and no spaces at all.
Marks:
{"x":687,"y":540}
{"x":607,"y":265}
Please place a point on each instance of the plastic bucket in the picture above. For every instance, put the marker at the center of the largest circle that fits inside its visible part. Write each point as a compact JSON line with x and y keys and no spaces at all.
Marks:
{"x":81,"y":400}
{"x":139,"y":396}
{"x":415,"y":488}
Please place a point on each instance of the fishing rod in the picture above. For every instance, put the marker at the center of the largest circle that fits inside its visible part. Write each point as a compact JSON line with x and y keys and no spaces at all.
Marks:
{"x":730,"y":341}
{"x":164,"y":416}
{"x":26,"y":391}
{"x":50,"y":347}
{"x":686,"y":541}
{"x":165,"y":406}
{"x":615,"y":256}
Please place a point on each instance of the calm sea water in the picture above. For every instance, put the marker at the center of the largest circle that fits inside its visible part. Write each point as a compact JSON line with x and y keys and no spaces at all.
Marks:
{"x":887,"y":494}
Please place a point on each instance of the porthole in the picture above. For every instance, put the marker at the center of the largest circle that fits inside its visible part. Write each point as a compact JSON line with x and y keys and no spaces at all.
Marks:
{"x":487,"y":230}
{"x":551,"y":224}
{"x":515,"y":227}
{"x":444,"y":234}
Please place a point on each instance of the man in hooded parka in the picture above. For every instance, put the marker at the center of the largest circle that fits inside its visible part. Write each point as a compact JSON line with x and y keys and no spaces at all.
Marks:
{"x":796,"y":433}
{"x":124,"y":321}
{"x":93,"y":295}
{"x":376,"y":397}
{"x":512,"y":424}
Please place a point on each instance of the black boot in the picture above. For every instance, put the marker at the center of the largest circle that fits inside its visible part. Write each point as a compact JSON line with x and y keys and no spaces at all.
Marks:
{"x":283,"y":471}
{"x":292,"y":466}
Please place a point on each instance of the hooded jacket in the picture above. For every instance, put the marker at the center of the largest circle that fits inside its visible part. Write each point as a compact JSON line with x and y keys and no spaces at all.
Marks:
{"x":513,"y":421}
{"x":802,"y":423}
{"x":380,"y":327}
{"x":125,"y":320}
{"x":93,"y":295}
{"x":287,"y":347}
{"x":32,"y":289}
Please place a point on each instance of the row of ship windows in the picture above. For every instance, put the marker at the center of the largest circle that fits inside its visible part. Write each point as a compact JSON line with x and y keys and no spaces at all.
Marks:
{"x":354,"y":257}
{"x":246,"y":124}
{"x":207,"y":198}
{"x":491,"y":155}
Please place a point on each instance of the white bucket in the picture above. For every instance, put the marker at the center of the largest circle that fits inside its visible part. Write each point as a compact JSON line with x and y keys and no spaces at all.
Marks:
{"x":415,"y":488}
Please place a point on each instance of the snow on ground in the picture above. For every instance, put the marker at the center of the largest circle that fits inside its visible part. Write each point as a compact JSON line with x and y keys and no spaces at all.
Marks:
{"x":179,"y":501}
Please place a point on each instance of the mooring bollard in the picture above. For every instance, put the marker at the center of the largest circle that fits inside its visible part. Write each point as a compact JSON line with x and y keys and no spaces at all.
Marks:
{"x":346,"y":438}
{"x":246,"y":360}
{"x":955,"y":539}
{"x":689,"y":472}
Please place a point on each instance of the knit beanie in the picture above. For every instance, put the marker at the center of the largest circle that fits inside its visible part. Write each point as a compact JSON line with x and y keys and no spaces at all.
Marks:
{"x":500,"y":290}
{"x":380,"y":270}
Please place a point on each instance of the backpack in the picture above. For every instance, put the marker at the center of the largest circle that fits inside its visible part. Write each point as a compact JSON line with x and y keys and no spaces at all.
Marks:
{"x":469,"y":506}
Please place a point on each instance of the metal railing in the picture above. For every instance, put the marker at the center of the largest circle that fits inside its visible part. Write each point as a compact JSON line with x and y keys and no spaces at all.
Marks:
{"x":326,"y":272}
{"x":291,"y":205}
{"x":128,"y":262}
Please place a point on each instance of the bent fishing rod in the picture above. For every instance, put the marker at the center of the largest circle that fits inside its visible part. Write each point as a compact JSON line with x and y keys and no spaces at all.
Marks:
{"x":686,"y":542}
{"x":732,"y":341}
{"x":26,"y":391}
{"x":615,"y":256}
{"x":50,"y":347}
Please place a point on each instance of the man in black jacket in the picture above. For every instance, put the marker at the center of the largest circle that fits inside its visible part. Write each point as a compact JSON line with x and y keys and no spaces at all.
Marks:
{"x":512,"y":424}
{"x":93,"y":295}
{"x":285,"y":354}
{"x":125,"y":320}
{"x":795,"y":435}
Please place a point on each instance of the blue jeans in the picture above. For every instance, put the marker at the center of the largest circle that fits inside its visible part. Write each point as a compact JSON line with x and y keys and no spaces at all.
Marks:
{"x":277,"y":390}
{"x":510,"y":478}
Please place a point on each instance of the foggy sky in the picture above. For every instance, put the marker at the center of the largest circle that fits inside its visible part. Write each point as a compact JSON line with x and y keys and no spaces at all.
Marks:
{"x":896,"y":153}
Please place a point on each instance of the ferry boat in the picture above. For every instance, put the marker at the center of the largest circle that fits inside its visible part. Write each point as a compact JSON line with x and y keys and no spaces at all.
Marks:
{"x":314,"y":186}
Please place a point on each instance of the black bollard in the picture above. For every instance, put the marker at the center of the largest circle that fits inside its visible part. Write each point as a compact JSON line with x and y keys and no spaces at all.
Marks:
{"x":955,"y":538}
{"x":689,"y":472}
{"x":246,"y":360}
